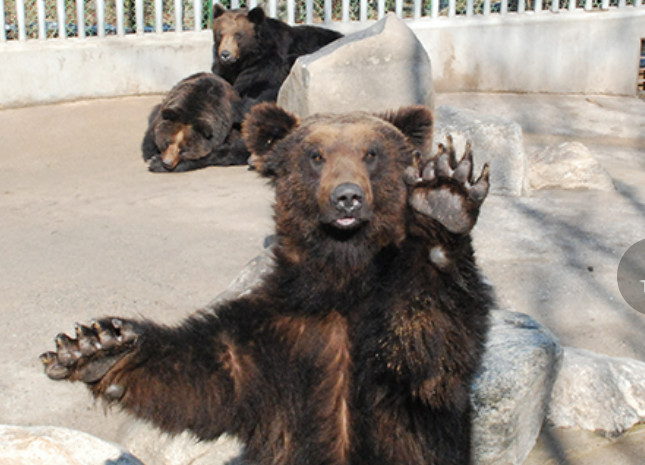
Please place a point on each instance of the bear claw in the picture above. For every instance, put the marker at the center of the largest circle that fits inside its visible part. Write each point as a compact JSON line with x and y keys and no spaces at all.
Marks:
{"x":446,"y":190}
{"x":92,"y":353}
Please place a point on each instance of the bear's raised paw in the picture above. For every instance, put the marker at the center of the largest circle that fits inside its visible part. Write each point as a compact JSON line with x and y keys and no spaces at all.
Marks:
{"x":444,"y":189}
{"x":95,"y":350}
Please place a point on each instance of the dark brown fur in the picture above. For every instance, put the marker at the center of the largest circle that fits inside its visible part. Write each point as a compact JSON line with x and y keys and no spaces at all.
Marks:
{"x":360,"y":346}
{"x":195,"y":126}
{"x":255,"y":53}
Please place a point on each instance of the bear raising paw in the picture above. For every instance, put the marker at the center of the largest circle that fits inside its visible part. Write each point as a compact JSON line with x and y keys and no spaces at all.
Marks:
{"x":360,"y":346}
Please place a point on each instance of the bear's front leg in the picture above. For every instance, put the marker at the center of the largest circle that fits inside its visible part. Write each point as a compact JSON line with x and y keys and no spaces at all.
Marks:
{"x":176,"y":377}
{"x":444,"y":189}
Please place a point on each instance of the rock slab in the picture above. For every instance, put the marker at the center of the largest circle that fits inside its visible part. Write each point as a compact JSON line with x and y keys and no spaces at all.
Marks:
{"x":50,"y":445}
{"x":511,"y":394}
{"x":567,"y":166}
{"x":595,"y":392}
{"x":380,"y":68}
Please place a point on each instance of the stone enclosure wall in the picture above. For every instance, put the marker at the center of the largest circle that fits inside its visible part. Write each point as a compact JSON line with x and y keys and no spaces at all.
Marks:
{"x":567,"y":52}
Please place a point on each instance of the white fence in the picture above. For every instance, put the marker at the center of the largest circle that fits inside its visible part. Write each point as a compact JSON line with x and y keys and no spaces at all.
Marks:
{"x":48,"y":19}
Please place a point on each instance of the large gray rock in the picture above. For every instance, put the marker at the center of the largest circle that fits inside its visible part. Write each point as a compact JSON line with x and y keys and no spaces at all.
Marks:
{"x":511,"y":394}
{"x":50,"y":445}
{"x":567,"y":166}
{"x":495,"y":140}
{"x":380,"y":68}
{"x":595,"y":392}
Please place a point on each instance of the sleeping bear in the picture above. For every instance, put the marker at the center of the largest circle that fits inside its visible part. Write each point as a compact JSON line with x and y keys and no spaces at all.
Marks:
{"x":196,"y":125}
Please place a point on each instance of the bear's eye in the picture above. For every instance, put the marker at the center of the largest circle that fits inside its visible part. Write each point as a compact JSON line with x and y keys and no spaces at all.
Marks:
{"x":370,"y":157}
{"x":317,"y":158}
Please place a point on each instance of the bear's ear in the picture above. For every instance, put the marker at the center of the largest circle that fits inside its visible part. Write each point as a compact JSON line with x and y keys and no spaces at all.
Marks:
{"x":265,"y":125}
{"x":256,"y":15}
{"x":218,"y":10}
{"x":415,"y":122}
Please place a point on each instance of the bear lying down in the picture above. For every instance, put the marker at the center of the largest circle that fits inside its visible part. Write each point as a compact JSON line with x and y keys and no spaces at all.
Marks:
{"x":361,"y":344}
{"x":196,"y":125}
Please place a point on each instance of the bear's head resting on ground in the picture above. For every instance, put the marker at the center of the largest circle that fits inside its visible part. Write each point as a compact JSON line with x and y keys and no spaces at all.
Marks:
{"x":339,"y":179}
{"x":195,"y":118}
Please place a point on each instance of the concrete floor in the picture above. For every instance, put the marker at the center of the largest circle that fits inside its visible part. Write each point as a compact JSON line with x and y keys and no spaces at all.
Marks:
{"x":86,"y":231}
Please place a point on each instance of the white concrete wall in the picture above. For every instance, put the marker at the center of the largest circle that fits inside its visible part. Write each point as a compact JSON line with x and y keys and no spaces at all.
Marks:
{"x":575,"y":52}
{"x":54,"y":70}
{"x":578,"y":52}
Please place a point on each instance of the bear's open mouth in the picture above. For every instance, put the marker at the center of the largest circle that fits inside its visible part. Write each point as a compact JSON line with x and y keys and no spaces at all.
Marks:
{"x":346,"y":222}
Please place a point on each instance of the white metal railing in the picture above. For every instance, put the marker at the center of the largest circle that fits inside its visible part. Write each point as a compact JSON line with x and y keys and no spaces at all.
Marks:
{"x":81,"y":18}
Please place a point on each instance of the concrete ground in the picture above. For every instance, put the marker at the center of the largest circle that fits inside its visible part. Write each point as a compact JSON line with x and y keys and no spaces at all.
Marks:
{"x":86,"y":231}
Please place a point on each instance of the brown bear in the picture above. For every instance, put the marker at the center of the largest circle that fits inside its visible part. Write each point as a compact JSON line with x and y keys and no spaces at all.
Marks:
{"x":196,"y":125}
{"x":360,"y":346}
{"x":255,"y":53}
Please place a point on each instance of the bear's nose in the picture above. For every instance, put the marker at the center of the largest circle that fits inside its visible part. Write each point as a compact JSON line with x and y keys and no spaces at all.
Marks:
{"x":347,"y":197}
{"x":225,"y":55}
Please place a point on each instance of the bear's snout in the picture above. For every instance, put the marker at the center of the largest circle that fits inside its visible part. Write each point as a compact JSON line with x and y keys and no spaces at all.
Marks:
{"x":226,"y":56}
{"x":347,"y":197}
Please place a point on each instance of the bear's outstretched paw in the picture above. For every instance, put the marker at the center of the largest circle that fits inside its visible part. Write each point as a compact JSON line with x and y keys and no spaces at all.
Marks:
{"x":95,"y":350}
{"x":444,"y":189}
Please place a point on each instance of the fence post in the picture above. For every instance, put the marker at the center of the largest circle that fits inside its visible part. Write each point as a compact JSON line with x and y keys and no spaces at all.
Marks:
{"x":138,"y":14}
{"x":362,"y":15}
{"x":435,"y":9}
{"x":309,"y":12}
{"x":3,"y":32}
{"x":120,"y":18}
{"x":42,"y":26}
{"x":452,"y":8}
{"x":381,"y":9}
{"x":179,"y":16}
{"x":470,"y":7}
{"x":291,"y":12}
{"x":399,"y":8}
{"x":344,"y":11}
{"x":20,"y":17}
{"x":100,"y":18}
{"x":80,"y":19}
{"x":158,"y":16}
{"x":60,"y":13}
{"x":327,"y":11}
{"x":273,"y":8}
{"x":197,"y":9}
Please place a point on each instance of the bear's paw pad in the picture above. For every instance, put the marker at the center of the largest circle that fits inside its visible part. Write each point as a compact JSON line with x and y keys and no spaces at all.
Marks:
{"x":446,"y":191}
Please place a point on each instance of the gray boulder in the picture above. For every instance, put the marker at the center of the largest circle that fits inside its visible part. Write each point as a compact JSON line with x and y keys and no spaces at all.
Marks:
{"x":595,"y":392}
{"x":50,"y":445}
{"x":567,"y":166}
{"x":495,"y":140}
{"x":510,"y":396}
{"x":380,"y":68}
